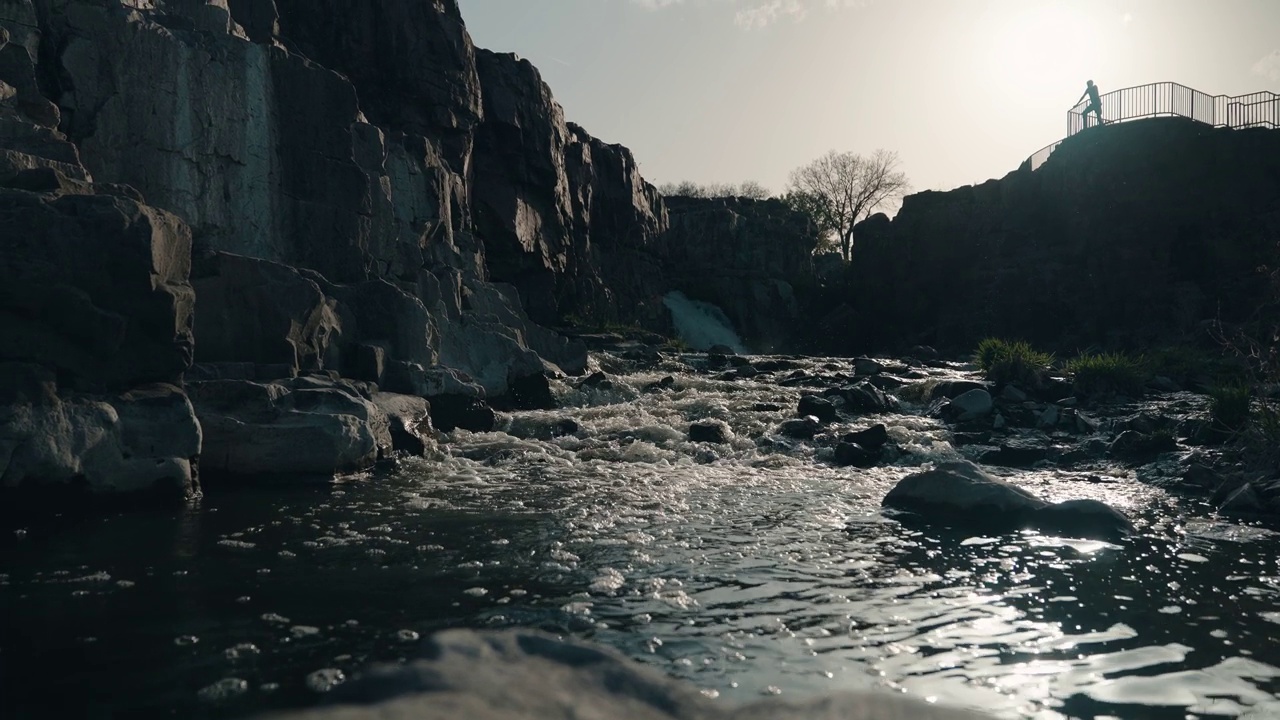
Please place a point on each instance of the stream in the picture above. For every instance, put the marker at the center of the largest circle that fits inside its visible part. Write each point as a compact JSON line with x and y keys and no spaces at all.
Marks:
{"x":755,"y":567}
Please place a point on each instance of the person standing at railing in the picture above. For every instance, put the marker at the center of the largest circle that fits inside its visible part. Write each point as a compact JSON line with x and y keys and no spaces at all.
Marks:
{"x":1095,"y":103}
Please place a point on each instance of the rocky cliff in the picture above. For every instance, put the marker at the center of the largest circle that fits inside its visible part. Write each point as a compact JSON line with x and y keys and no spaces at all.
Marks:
{"x":745,"y":256}
{"x":310,"y":204}
{"x":1129,"y":234}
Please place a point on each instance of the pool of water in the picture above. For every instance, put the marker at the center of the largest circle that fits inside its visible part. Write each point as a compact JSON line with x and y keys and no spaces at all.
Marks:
{"x":751,"y":568}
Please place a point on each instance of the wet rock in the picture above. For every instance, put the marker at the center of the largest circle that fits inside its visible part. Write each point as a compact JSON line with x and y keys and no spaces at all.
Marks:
{"x":1082,"y":518}
{"x":970,"y":405}
{"x":409,"y":421}
{"x":1244,"y":500}
{"x":597,"y":380}
{"x":867,"y":366}
{"x":867,"y":398}
{"x":948,"y":389}
{"x":710,"y":431}
{"x":290,"y":427}
{"x":1019,"y":452}
{"x":1049,"y":418}
{"x":804,"y":428}
{"x":1162,"y":384}
{"x":765,"y":407}
{"x":1201,"y":478}
{"x":527,"y":392}
{"x":666,"y":383}
{"x":923,"y":352}
{"x":872,"y":438}
{"x":546,"y":676}
{"x":466,"y":412}
{"x":962,"y":495}
{"x":886,"y":382}
{"x":1134,"y":445}
{"x":722,"y":350}
{"x":818,"y":407}
{"x":979,"y":437}
{"x":853,"y":454}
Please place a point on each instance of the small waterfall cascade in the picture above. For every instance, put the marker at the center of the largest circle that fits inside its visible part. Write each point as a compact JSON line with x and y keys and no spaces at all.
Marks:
{"x":701,"y":324}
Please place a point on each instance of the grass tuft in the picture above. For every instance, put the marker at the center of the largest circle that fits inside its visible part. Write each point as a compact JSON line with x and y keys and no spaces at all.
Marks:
{"x":1012,"y":361}
{"x":1095,"y":374}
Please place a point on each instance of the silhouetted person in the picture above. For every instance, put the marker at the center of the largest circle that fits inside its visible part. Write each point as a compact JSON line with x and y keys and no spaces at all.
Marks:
{"x":1095,"y":103}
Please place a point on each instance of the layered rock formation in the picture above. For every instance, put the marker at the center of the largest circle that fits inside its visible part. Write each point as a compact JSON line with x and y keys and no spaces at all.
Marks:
{"x":746,"y":257}
{"x":1129,"y":234}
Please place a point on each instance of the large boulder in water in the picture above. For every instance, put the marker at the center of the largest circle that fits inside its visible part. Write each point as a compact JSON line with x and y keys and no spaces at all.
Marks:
{"x":960,"y":494}
{"x":524,"y":674}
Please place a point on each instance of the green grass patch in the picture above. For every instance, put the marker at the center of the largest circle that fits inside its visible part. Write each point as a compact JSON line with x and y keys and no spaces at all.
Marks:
{"x":1012,"y":361}
{"x":1230,"y":405}
{"x":1094,"y":374}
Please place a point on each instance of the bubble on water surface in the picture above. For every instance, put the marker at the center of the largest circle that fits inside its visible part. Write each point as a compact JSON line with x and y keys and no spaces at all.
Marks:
{"x":223,"y":690}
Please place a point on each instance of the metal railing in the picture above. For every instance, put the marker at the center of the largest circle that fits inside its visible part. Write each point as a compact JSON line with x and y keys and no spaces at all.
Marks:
{"x":1169,"y":99}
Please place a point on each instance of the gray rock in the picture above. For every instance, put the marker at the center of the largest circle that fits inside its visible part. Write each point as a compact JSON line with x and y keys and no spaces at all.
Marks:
{"x":545,"y":676}
{"x":1244,"y":500}
{"x":291,"y":427}
{"x":867,"y":398}
{"x":1049,"y":418}
{"x":867,"y":366}
{"x":408,"y":420}
{"x":948,"y":389}
{"x":1011,"y":393}
{"x":971,"y":405}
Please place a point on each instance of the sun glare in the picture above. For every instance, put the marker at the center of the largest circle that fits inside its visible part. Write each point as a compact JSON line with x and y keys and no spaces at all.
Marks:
{"x":1033,"y":44}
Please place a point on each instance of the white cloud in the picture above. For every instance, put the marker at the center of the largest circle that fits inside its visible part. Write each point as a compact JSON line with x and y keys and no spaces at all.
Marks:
{"x":1269,"y":67}
{"x":766,"y":13}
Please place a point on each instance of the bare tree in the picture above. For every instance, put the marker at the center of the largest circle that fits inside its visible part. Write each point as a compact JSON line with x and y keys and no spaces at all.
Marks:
{"x":839,"y":190}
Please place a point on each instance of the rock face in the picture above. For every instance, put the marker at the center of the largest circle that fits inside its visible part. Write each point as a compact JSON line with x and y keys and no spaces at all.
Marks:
{"x":1130,"y":233}
{"x":745,"y":256}
{"x":547,"y":677}
{"x":960,"y":494}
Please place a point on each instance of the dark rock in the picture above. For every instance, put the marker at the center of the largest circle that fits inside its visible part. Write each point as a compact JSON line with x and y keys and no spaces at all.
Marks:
{"x":923,"y":352}
{"x":853,"y":454}
{"x":1011,"y":393}
{"x":867,"y":398}
{"x":723,"y":350}
{"x":711,"y":431}
{"x":1163,"y":384}
{"x":1244,"y":500}
{"x":1019,"y":452}
{"x":1083,"y":518}
{"x":530,"y":392}
{"x":961,"y":495}
{"x":666,"y":383}
{"x":970,"y":405}
{"x":953,"y":388}
{"x":981,"y":437}
{"x":565,"y":427}
{"x":297,"y":427}
{"x":1133,"y":445}
{"x":867,"y":366}
{"x":820,"y":408}
{"x":598,"y":380}
{"x":765,"y":407}
{"x":409,"y":421}
{"x":95,"y":287}
{"x":804,"y":428}
{"x":872,"y":438}
{"x":1201,"y":478}
{"x":450,"y":412}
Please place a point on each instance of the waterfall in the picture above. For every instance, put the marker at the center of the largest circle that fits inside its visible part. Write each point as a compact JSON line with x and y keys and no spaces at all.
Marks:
{"x":701,"y":324}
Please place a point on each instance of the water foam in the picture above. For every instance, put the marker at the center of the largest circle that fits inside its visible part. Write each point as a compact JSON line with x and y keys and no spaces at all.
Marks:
{"x":701,"y":324}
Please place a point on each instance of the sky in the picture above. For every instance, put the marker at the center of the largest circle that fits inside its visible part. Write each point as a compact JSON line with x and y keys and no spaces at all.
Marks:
{"x":963,"y":90}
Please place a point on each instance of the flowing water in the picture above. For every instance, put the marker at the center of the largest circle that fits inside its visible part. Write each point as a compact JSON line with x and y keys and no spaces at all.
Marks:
{"x":756,"y":567}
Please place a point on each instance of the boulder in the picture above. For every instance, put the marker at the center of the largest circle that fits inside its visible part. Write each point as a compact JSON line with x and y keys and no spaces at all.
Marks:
{"x":408,"y":420}
{"x":145,"y":440}
{"x":298,"y":427}
{"x":710,"y":431}
{"x":867,"y":366}
{"x":818,"y":407}
{"x":867,"y":398}
{"x":804,"y":428}
{"x":851,"y":453}
{"x":503,"y":675}
{"x":466,"y":412}
{"x":971,"y":405}
{"x":948,"y":389}
{"x":872,"y":438}
{"x":960,"y":494}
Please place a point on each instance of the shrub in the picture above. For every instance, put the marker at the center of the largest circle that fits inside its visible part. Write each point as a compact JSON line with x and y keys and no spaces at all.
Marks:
{"x":1107,"y":374}
{"x":1012,"y":361}
{"x":1229,"y":405}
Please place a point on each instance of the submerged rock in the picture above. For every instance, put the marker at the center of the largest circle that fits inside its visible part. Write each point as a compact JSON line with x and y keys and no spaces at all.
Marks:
{"x":960,"y":494}
{"x":851,"y":453}
{"x":872,"y":438}
{"x":532,"y":675}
